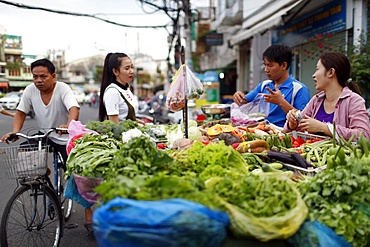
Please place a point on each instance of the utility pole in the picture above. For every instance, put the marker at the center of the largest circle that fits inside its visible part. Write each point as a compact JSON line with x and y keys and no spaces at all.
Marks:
{"x":187,"y":26}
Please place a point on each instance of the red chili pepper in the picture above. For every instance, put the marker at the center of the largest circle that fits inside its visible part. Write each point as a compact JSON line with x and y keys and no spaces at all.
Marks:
{"x":72,"y":144}
{"x":235,"y":145}
{"x":300,"y":141}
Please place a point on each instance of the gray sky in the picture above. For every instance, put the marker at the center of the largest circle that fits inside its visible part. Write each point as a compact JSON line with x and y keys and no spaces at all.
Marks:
{"x":85,"y":36}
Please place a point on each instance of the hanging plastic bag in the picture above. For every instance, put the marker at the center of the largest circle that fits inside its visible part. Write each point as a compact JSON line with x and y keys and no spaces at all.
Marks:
{"x":194,"y":88}
{"x":170,"y":223}
{"x":76,"y":130}
{"x":185,"y":85}
{"x":257,"y":108}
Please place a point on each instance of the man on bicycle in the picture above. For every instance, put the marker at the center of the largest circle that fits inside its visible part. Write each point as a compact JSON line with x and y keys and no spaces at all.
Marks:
{"x":53,"y":103}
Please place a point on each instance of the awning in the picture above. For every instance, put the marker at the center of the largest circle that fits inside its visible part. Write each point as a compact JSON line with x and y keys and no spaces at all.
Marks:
{"x":3,"y":84}
{"x":264,"y":24}
{"x":19,"y":83}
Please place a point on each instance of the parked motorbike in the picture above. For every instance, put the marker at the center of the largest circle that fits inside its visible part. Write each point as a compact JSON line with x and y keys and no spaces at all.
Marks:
{"x":154,"y":114}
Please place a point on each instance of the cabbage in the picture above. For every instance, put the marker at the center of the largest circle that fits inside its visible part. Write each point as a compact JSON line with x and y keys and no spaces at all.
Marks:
{"x":194,"y":133}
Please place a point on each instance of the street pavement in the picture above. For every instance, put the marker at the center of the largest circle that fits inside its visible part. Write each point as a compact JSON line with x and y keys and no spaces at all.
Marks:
{"x":72,"y":236}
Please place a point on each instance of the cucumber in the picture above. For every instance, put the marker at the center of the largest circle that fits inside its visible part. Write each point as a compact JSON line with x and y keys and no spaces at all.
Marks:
{"x":266,"y":168}
{"x":276,"y":165}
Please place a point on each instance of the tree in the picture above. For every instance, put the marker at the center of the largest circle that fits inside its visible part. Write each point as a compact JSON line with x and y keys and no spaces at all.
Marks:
{"x":360,"y":65}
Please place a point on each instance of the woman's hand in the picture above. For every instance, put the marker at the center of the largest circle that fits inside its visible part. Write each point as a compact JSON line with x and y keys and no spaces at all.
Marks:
{"x":239,"y":98}
{"x":292,"y":119}
{"x":312,"y":125}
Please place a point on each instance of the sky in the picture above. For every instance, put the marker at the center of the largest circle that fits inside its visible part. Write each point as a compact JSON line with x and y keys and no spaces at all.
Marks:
{"x":82,"y":37}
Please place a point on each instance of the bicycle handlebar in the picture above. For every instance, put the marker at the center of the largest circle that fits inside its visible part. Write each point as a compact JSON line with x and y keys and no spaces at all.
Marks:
{"x":12,"y":136}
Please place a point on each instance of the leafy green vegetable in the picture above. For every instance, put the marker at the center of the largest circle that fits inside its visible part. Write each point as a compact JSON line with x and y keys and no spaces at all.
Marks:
{"x":333,"y":197}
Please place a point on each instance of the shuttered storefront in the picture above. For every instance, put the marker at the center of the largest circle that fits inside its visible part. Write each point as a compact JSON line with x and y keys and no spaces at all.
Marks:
{"x":310,"y":53}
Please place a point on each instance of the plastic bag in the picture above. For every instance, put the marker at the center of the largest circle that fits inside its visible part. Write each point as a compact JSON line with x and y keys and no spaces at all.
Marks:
{"x":86,"y":187}
{"x":171,"y":222}
{"x":185,"y":85}
{"x":257,"y":108}
{"x":75,"y":130}
{"x":312,"y":234}
{"x":240,"y":118}
{"x":280,"y":226}
{"x":72,"y":193}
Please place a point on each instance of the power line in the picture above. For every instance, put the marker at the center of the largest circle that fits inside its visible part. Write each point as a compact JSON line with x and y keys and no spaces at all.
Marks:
{"x":23,"y":6}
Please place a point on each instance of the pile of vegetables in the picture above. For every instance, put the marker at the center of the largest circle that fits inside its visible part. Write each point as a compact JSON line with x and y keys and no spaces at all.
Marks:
{"x":336,"y":196}
{"x":108,"y":127}
{"x":91,"y":156}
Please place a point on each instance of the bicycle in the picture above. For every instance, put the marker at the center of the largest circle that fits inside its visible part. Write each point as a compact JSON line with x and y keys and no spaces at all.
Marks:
{"x":36,"y":212}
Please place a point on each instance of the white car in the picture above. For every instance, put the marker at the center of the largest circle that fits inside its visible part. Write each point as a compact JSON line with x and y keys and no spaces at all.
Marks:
{"x":79,"y":95}
{"x":11,"y":100}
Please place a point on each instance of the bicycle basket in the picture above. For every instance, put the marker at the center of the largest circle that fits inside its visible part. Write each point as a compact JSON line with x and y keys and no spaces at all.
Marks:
{"x":25,"y":161}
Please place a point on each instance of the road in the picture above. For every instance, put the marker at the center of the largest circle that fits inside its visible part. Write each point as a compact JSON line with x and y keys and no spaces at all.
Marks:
{"x":72,"y":237}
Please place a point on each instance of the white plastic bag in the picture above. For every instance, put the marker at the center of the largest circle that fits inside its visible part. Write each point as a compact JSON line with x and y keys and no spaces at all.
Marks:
{"x":31,"y":163}
{"x":257,"y":108}
{"x":185,"y":85}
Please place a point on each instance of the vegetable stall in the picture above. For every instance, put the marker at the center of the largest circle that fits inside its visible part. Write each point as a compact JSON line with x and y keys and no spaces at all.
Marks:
{"x":230,"y":182}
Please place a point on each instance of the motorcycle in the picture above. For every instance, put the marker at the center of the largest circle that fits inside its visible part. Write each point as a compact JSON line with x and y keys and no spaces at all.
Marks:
{"x":155,"y":111}
{"x":153,"y":114}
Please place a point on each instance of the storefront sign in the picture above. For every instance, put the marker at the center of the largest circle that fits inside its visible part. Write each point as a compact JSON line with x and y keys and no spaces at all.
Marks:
{"x":19,"y":83}
{"x":214,"y":39}
{"x":327,"y":20}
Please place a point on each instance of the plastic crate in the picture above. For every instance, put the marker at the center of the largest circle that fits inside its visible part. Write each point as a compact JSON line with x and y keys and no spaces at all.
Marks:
{"x":306,"y":136}
{"x":307,"y":172}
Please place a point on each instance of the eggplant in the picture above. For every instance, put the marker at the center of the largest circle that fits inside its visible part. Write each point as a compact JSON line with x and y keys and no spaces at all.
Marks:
{"x":289,"y":158}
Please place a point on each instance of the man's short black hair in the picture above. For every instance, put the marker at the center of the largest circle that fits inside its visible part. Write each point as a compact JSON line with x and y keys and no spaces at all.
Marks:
{"x":45,"y":63}
{"x":278,"y":54}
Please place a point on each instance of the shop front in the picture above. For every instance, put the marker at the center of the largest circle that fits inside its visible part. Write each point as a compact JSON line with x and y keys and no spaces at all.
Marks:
{"x":324,"y":29}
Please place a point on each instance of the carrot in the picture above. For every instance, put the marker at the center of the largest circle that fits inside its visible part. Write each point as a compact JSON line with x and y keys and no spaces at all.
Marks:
{"x":251,"y":130}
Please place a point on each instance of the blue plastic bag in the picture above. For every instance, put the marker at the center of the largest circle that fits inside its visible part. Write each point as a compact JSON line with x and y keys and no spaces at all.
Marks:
{"x":312,"y":234}
{"x":171,"y":222}
{"x":72,"y":193}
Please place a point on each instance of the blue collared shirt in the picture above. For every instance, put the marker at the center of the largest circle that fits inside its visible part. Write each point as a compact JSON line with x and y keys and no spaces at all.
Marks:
{"x":276,"y":115}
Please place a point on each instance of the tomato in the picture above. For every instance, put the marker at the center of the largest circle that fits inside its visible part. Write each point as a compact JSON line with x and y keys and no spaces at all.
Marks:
{"x":161,"y":145}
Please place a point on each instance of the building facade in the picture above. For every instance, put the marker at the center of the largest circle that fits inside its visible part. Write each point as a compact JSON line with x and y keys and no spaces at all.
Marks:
{"x":309,"y":27}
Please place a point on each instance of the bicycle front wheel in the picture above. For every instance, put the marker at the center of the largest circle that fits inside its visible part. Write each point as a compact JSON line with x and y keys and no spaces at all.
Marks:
{"x":32,"y":217}
{"x":66,"y":203}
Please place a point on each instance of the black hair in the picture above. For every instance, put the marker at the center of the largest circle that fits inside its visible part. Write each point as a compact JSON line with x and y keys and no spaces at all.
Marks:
{"x":45,"y":63}
{"x":278,"y":54}
{"x":112,"y":61}
{"x":340,"y":63}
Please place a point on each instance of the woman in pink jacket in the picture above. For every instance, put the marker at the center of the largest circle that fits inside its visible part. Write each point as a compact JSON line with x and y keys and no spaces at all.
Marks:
{"x":339,"y":101}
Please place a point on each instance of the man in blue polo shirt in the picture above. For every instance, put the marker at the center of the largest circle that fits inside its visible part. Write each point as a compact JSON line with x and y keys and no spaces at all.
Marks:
{"x":281,"y":90}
